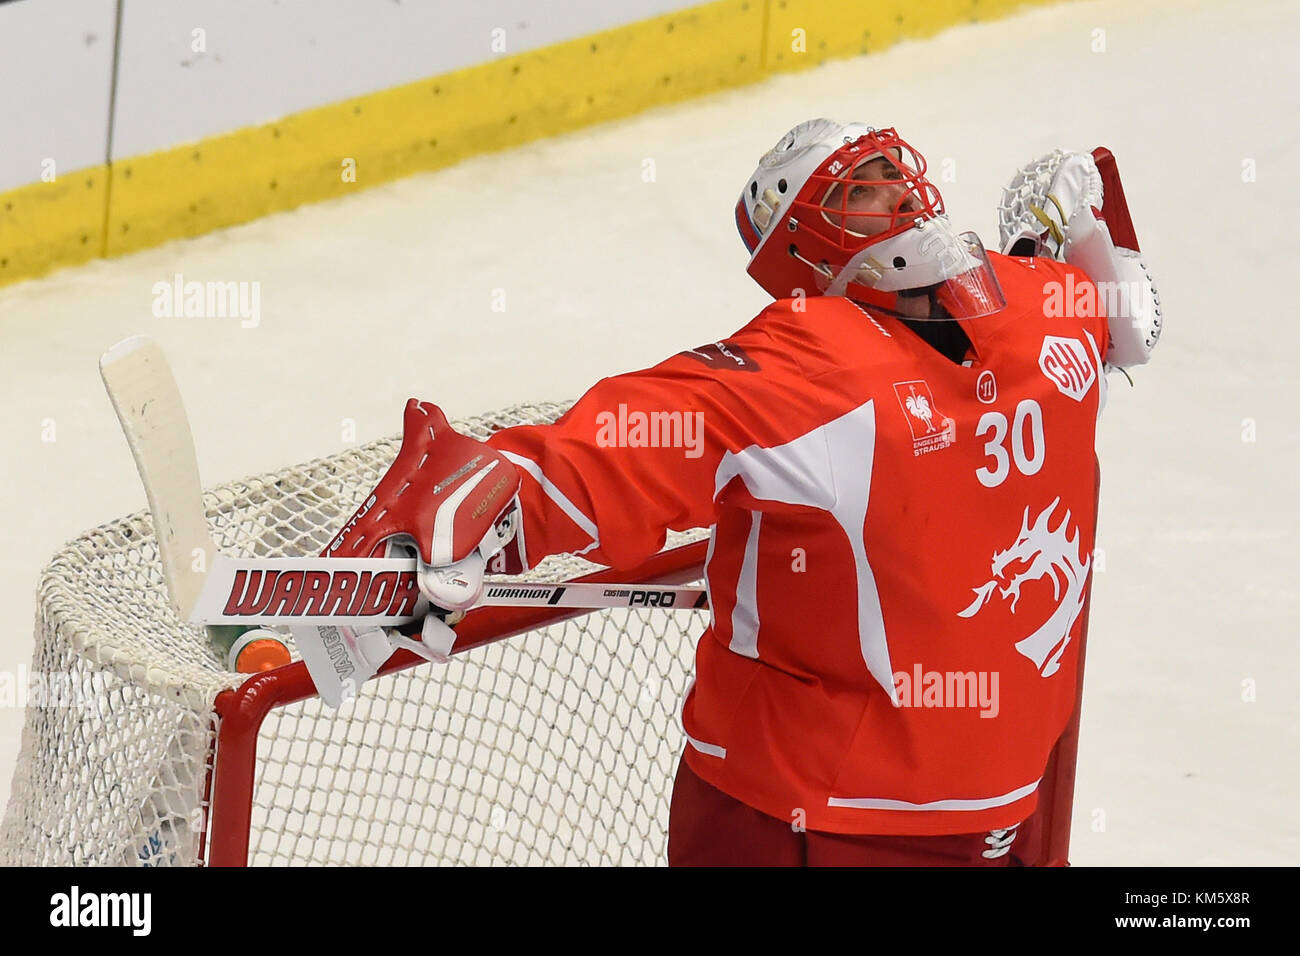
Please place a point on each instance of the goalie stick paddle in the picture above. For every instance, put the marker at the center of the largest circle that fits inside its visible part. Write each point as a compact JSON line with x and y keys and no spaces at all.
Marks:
{"x":383,"y":592}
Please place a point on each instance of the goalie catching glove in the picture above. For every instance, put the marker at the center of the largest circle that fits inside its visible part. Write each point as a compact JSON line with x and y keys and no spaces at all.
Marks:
{"x":451,"y":501}
{"x":1070,"y":206}
{"x":1043,"y":201}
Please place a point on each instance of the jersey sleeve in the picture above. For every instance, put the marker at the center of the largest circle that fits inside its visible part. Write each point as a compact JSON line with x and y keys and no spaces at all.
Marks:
{"x":637,"y":454}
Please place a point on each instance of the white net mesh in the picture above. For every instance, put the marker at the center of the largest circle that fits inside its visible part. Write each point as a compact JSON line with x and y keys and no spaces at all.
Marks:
{"x":557,"y":746}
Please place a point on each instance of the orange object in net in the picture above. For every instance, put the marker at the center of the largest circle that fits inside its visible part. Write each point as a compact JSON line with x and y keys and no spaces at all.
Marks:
{"x":261,"y":656}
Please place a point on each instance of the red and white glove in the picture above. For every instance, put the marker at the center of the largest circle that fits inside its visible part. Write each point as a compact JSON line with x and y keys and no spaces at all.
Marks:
{"x":450,"y":499}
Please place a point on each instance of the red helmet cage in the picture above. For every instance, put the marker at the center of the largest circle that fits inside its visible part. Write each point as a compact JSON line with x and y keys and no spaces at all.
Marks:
{"x":816,"y":233}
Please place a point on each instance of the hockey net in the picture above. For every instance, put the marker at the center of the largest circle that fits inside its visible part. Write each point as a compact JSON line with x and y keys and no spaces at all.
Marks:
{"x":556,"y":746}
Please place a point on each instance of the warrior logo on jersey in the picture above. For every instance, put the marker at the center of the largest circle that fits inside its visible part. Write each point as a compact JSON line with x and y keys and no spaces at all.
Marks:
{"x":986,"y":387}
{"x":1039,"y":552}
{"x":931,"y":429}
{"x":1065,"y":362}
{"x":724,"y":355}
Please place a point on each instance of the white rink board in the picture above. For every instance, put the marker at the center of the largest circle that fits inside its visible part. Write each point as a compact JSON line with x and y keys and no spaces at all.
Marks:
{"x":264,"y":61}
{"x":57,"y":60}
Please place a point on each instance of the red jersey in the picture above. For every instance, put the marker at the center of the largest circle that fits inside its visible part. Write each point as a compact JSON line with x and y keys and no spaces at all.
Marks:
{"x":899,"y":555}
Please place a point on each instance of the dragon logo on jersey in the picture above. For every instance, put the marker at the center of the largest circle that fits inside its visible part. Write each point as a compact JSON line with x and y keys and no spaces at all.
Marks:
{"x":918,"y":405}
{"x":1066,"y":364}
{"x":1040,"y":552}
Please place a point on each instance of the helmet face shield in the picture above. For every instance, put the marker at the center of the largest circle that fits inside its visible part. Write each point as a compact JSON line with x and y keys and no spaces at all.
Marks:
{"x":974,"y":291}
{"x":927,"y":272}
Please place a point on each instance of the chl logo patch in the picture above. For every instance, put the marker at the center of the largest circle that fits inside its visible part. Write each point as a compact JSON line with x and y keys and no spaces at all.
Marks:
{"x":932,"y":430}
{"x":723,"y":355}
{"x":1066,"y":364}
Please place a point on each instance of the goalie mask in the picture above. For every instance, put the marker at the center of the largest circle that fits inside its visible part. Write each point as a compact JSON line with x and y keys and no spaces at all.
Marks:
{"x":847,"y":210}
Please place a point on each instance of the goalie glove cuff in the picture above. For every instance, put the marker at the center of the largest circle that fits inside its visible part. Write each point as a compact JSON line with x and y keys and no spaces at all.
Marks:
{"x":458,"y":586}
{"x":1124,"y":285}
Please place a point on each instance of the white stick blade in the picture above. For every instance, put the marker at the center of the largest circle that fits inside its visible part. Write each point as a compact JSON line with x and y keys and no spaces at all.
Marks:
{"x":148,"y":404}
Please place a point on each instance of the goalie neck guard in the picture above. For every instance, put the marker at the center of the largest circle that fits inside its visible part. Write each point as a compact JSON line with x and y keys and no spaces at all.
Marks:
{"x":847,"y":210}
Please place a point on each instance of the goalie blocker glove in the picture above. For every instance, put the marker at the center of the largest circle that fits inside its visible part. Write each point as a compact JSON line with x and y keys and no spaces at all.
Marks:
{"x":452,"y":501}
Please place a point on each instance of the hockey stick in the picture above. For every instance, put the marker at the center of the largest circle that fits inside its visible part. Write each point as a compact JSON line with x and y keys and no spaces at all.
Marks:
{"x":206,"y":586}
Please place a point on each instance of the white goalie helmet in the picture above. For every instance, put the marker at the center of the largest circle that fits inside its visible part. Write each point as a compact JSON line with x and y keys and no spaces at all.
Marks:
{"x":846,"y":210}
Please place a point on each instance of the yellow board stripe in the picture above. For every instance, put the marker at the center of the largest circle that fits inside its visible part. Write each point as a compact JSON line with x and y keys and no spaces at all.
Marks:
{"x":834,"y":29}
{"x":52,"y":223}
{"x":337,"y":149}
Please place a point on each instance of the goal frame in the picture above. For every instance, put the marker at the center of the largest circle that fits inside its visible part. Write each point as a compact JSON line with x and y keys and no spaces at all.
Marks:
{"x":230,"y":782}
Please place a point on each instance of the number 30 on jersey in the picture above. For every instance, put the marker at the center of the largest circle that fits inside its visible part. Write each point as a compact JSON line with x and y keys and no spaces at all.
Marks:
{"x":1029,"y":460}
